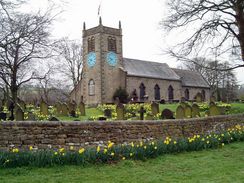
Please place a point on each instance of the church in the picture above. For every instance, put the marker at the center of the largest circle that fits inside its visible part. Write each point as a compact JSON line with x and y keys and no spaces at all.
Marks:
{"x":105,"y":70}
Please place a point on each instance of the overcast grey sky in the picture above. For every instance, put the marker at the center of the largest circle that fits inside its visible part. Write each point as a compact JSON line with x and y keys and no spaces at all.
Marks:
{"x":142,"y":36}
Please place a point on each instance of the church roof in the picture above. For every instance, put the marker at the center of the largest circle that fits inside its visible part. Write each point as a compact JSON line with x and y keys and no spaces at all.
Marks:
{"x":157,"y":70}
{"x":191,"y":78}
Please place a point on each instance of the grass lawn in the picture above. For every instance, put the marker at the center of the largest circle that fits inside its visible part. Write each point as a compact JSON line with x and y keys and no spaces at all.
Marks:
{"x":218,"y":165}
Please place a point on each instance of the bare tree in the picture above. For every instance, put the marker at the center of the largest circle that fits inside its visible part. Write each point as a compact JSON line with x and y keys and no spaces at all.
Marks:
{"x":71,"y":59}
{"x":215,"y":27}
{"x":24,"y":40}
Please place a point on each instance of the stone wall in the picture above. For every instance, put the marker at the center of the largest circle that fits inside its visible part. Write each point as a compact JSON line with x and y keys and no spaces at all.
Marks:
{"x":64,"y":134}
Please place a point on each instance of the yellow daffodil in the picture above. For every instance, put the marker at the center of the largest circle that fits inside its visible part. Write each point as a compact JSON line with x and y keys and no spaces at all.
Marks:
{"x":132,"y":144}
{"x":145,"y":147}
{"x":123,"y":158}
{"x":61,"y":150}
{"x":81,"y":150}
{"x":30,"y":148}
{"x":207,"y":142}
{"x":110,"y":145}
{"x":175,"y":142}
{"x":141,"y":144}
{"x":98,"y":148}
{"x":131,"y":154}
{"x":112,"y":154}
{"x":152,"y":143}
{"x":155,"y":147}
{"x":71,"y":148}
{"x":15,"y":150}
{"x":105,"y":151}
{"x":222,"y":144}
{"x":56,"y":153}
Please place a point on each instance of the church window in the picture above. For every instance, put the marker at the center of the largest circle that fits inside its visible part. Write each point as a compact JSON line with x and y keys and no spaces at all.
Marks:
{"x":187,"y":95}
{"x":157,"y":92}
{"x":142,"y":91}
{"x":203,"y":95}
{"x":171,"y":93}
{"x":91,"y":87}
{"x":91,"y":44}
{"x":112,"y":44}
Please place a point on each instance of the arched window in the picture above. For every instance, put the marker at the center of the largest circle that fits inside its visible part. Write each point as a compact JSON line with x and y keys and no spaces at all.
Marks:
{"x":91,"y":44}
{"x":156,"y":92}
{"x":112,"y":44}
{"x":203,"y":95}
{"x":187,"y":95}
{"x":170,"y":92}
{"x":142,"y":91}
{"x":91,"y":87}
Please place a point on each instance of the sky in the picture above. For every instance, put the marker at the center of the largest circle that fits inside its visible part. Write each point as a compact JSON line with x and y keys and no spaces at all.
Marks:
{"x":143,"y":38}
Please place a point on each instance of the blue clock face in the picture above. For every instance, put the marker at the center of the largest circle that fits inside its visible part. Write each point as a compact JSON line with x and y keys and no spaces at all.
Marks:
{"x":91,"y":59}
{"x":112,"y":58}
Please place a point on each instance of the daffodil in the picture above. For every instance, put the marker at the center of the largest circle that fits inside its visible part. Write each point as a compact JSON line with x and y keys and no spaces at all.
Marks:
{"x":30,"y":148}
{"x":15,"y":150}
{"x":56,"y":153}
{"x":155,"y":147}
{"x":112,"y":154}
{"x":71,"y":148}
{"x":131,"y":154}
{"x":110,"y":145}
{"x":105,"y":151}
{"x":81,"y":150}
{"x":98,"y":148}
{"x":123,"y":158}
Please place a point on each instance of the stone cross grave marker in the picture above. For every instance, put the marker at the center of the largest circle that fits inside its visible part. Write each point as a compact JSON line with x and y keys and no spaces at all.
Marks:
{"x":167,"y":114}
{"x":19,"y":114}
{"x":120,"y":110}
{"x":43,"y":107}
{"x":180,"y":113}
{"x":82,"y":109}
{"x":142,"y":112}
{"x":195,"y":111}
{"x":155,"y":108}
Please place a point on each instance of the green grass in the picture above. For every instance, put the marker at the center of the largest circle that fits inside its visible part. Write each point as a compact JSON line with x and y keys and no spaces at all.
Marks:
{"x":218,"y":165}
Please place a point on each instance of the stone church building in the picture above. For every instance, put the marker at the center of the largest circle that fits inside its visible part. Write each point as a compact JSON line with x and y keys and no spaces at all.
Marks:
{"x":105,"y":70}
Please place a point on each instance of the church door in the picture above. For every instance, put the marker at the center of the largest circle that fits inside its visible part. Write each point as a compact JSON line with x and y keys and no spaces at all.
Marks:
{"x":171,"y":93}
{"x":157,"y":92}
{"x":142,"y":91}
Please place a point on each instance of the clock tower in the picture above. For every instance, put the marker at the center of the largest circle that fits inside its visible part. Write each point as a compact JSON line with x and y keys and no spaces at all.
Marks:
{"x":102,"y":63}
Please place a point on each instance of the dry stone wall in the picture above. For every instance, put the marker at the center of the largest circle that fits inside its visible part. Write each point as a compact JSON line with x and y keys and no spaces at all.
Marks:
{"x":64,"y":134}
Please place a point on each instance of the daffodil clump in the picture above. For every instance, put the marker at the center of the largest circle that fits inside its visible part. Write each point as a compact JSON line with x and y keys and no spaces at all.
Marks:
{"x":110,"y":152}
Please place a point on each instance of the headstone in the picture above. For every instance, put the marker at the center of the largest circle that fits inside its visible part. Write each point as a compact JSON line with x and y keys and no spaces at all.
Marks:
{"x":212,"y":99}
{"x":65,"y":109}
{"x":108,"y":113}
{"x":116,"y":101}
{"x":3,"y":116}
{"x":214,"y":110}
{"x":142,"y":111}
{"x":195,"y":111}
{"x":58,"y":107}
{"x":10,"y":106}
{"x":155,"y":108}
{"x":19,"y":114}
{"x":188,"y":111}
{"x":31,"y":116}
{"x":167,"y":114}
{"x":199,"y":97}
{"x":120,"y":110}
{"x":72,"y":109}
{"x":53,"y":119}
{"x":82,"y":109}
{"x":180,"y":112}
{"x":43,"y":108}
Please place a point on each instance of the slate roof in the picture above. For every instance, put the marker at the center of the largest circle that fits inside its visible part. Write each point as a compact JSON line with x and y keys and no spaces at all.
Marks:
{"x":157,"y":70}
{"x":191,"y":78}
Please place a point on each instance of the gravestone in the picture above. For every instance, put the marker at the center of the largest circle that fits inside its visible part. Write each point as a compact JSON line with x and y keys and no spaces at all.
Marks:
{"x":214,"y":110}
{"x":53,"y":119}
{"x":43,"y":108}
{"x":212,"y":99}
{"x":72,"y":109}
{"x":31,"y":116}
{"x":65,"y":109}
{"x":108,"y":113}
{"x":155,"y":108}
{"x":82,"y":109}
{"x":19,"y":114}
{"x":195,"y":111}
{"x":188,"y":111}
{"x":116,"y":101}
{"x":58,"y":107}
{"x":167,"y":114}
{"x":180,"y":112}
{"x":10,"y":106}
{"x":199,"y":98}
{"x":142,"y":111}
{"x":120,"y":110}
{"x":3,"y":116}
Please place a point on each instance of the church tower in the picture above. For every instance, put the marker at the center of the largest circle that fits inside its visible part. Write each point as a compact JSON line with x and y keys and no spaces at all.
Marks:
{"x":102,"y":63}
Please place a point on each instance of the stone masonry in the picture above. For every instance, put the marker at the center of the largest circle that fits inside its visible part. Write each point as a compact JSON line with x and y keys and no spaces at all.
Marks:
{"x":81,"y":134}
